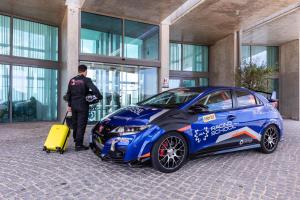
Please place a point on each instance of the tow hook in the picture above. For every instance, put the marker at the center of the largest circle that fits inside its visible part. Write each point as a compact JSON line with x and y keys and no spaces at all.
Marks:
{"x":113,"y":143}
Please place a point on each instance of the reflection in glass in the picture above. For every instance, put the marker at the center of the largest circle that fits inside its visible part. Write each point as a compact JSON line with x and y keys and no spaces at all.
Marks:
{"x":100,"y":35}
{"x":174,"y":83}
{"x":120,"y":86}
{"x":261,"y":56}
{"x":203,"y":82}
{"x":141,"y":40}
{"x":195,"y":58}
{"x":4,"y":35}
{"x":35,"y":40}
{"x":34,"y":94}
{"x":175,"y":56}
{"x":188,"y":83}
{"x":4,"y":91}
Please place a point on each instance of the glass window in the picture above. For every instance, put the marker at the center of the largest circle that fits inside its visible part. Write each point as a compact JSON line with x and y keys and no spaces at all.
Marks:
{"x":220,"y":100}
{"x":100,"y":35}
{"x":195,"y":58}
{"x":273,"y":85}
{"x":203,"y":82}
{"x":171,"y":98}
{"x":246,"y":57}
{"x":4,"y":91}
{"x":34,"y":94}
{"x":175,"y":56}
{"x":188,"y":83}
{"x":120,"y":85}
{"x":266,"y":56}
{"x":174,"y":83}
{"x":244,"y":99}
{"x":147,"y":82}
{"x":35,"y":40}
{"x":4,"y":35}
{"x":141,"y":40}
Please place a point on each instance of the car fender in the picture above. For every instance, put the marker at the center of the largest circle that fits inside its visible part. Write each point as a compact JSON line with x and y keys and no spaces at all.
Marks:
{"x":142,"y":145}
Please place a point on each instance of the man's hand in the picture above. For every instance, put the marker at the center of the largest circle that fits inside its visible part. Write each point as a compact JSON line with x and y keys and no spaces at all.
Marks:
{"x":69,"y":109}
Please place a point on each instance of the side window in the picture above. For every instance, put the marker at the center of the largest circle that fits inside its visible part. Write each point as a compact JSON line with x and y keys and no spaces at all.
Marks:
{"x":244,"y":99}
{"x":220,"y":100}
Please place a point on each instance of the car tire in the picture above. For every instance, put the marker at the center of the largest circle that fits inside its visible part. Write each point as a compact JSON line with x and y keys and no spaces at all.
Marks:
{"x":270,"y":139}
{"x":169,"y":153}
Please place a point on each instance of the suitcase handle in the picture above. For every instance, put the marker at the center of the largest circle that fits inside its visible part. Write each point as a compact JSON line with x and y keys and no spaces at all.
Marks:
{"x":65,"y":117}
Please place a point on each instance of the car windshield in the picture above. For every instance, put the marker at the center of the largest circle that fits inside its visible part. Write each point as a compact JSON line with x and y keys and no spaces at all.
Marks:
{"x":170,"y":99}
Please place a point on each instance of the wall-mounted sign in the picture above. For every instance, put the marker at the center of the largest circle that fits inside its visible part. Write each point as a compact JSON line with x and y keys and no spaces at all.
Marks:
{"x":165,"y":83}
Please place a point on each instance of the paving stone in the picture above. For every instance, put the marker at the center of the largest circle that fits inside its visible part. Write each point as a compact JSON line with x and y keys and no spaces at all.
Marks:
{"x":26,"y":172}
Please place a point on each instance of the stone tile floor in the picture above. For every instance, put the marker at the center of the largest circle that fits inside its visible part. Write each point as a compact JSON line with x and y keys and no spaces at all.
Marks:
{"x":26,"y":172}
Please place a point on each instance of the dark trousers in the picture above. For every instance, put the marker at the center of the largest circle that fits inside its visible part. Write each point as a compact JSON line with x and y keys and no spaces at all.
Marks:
{"x":79,"y":120}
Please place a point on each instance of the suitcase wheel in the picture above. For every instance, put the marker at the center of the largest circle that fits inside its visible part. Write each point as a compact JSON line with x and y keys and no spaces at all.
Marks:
{"x":58,"y":149}
{"x":47,"y":151}
{"x":61,"y":151}
{"x":44,"y":148}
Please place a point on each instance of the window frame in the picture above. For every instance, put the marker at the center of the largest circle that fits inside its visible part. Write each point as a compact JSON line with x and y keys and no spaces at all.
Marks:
{"x":236,"y":107}
{"x":122,"y":60}
{"x":220,"y":110}
{"x":12,"y":60}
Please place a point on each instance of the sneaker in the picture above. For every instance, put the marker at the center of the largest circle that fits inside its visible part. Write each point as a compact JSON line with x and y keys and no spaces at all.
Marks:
{"x":81,"y":148}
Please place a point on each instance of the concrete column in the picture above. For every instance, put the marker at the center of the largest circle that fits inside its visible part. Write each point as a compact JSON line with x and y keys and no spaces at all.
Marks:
{"x":70,"y":28}
{"x":164,"y":54}
{"x":224,"y":60}
{"x":289,"y":80}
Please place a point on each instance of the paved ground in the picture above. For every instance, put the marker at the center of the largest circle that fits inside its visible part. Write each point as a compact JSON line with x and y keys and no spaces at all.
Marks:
{"x":26,"y":172}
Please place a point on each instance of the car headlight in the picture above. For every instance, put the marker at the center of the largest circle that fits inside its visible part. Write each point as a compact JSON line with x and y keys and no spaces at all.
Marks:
{"x":129,"y":130}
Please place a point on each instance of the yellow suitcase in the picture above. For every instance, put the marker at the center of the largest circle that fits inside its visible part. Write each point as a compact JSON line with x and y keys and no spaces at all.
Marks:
{"x":57,"y":139}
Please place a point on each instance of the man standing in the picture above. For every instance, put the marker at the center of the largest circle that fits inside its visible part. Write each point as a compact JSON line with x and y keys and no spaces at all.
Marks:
{"x":78,"y":89}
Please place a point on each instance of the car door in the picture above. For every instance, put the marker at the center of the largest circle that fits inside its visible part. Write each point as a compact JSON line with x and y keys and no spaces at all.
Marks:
{"x":213,"y":123}
{"x":249,"y":118}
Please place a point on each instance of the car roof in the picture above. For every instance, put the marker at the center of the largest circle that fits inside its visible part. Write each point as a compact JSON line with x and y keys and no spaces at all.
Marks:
{"x":210,"y":88}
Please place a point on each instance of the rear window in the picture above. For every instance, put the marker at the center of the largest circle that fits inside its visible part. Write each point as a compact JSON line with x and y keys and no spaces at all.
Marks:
{"x":245,"y":98}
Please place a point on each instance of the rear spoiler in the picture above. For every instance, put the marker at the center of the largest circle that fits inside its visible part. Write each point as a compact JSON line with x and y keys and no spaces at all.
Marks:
{"x":272,"y":97}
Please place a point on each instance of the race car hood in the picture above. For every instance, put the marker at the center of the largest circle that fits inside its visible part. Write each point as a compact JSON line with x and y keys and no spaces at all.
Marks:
{"x":134,"y":115}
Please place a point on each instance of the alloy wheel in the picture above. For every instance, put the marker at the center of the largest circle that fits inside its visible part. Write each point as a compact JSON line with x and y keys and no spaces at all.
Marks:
{"x":171,"y":152}
{"x":270,"y":138}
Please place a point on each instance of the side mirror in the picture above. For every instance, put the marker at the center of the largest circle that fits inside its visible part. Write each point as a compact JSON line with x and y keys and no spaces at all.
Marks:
{"x":198,"y":108}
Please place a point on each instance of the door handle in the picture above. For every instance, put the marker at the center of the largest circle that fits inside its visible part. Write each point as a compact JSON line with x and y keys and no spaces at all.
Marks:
{"x":231,"y":117}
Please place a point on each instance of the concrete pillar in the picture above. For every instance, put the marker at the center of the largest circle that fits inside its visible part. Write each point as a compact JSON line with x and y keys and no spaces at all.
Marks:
{"x":224,"y":60}
{"x":70,"y":28}
{"x":289,"y":80}
{"x":164,"y":54}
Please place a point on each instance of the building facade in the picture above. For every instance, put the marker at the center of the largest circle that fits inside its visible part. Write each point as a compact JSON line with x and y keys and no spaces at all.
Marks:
{"x":136,"y":49}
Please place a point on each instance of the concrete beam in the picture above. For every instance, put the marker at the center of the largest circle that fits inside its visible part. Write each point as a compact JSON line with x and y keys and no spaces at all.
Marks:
{"x":224,"y":59}
{"x":181,"y":11}
{"x":164,"y":53}
{"x":70,"y":28}
{"x":289,"y":80}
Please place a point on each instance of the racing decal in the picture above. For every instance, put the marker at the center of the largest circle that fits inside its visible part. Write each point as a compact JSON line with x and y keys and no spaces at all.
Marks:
{"x":136,"y":110}
{"x":242,"y":131}
{"x":147,"y":155}
{"x":202,"y":135}
{"x":153,"y":117}
{"x":74,"y":82}
{"x":208,"y":118}
{"x":183,"y":129}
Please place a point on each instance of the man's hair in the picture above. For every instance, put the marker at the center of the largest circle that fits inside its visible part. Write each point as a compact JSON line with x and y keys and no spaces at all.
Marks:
{"x":82,"y":68}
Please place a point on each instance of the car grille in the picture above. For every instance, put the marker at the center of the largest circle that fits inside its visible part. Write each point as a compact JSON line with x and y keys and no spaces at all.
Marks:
{"x":105,"y":133}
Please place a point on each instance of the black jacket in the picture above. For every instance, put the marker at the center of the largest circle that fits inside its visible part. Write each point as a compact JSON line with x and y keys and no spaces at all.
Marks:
{"x":78,"y":89}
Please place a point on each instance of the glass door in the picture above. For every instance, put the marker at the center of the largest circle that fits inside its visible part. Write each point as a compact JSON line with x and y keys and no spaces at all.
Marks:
{"x":120,"y":85}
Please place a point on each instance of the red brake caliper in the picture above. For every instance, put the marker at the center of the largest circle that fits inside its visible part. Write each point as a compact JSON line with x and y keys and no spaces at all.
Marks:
{"x":163,"y":147}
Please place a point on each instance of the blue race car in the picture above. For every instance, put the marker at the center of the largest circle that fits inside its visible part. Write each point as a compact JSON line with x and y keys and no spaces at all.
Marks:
{"x":171,"y":126}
